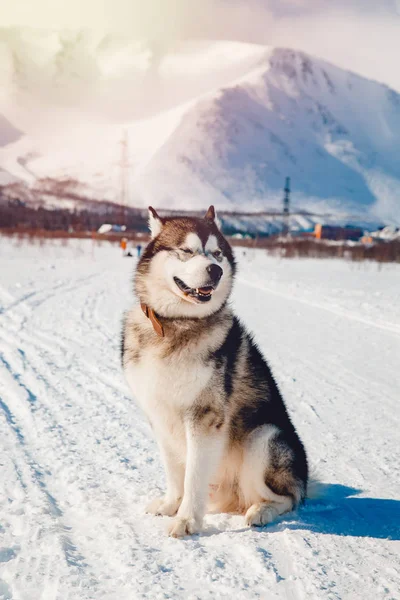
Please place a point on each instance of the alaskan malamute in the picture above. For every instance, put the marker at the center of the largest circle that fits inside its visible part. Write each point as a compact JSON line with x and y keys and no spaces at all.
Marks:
{"x":225,"y":437}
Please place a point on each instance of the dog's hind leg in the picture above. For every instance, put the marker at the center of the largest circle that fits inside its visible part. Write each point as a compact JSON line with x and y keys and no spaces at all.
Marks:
{"x":274,"y":474}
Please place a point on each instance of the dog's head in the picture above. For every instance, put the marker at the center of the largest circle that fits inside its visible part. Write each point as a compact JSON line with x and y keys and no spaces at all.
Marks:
{"x":188,"y":267}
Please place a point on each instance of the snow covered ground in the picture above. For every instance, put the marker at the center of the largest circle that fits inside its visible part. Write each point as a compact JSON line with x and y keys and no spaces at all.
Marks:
{"x":78,"y":462}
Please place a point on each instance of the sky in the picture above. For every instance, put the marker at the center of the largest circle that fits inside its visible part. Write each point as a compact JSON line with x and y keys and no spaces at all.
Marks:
{"x":362,"y":35}
{"x":177,"y":16}
{"x":359,"y":35}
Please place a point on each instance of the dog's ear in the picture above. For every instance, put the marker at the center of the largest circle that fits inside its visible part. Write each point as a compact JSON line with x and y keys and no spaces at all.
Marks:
{"x":155,"y":222}
{"x":211,"y":216}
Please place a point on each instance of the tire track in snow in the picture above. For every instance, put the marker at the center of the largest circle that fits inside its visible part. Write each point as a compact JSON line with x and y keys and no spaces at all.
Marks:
{"x":72,"y":555}
{"x":51,"y":420}
{"x":49,"y":294}
{"x":391,"y":328}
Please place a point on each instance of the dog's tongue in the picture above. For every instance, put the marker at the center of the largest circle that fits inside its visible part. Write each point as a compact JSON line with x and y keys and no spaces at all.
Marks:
{"x":206,"y":291}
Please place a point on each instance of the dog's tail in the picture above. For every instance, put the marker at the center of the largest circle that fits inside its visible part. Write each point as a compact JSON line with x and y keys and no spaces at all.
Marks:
{"x":315,"y":488}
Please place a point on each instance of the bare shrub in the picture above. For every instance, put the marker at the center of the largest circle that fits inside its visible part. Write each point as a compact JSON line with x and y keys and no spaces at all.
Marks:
{"x":383,"y":251}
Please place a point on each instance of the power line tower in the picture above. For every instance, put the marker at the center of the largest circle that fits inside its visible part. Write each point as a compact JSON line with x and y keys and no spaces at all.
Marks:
{"x":124,"y":176}
{"x":286,"y":207}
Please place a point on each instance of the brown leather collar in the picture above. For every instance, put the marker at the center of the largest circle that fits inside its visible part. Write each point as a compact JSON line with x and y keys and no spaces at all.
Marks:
{"x":150,"y":314}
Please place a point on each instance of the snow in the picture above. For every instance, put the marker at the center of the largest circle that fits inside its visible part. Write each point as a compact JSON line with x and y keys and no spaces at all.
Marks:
{"x":79,"y":462}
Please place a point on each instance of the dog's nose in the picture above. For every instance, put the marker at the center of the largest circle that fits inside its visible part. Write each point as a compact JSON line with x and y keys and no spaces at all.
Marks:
{"x":215,"y":272}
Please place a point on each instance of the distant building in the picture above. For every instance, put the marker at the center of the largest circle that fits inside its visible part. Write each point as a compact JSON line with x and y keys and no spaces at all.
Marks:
{"x":335,"y":232}
{"x":107,"y":227}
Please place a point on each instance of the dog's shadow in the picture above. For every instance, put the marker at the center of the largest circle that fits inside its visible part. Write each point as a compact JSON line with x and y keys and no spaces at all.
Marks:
{"x":340,"y":512}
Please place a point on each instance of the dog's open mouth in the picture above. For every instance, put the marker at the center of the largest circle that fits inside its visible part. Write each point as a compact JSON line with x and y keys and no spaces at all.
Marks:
{"x":201,"y":294}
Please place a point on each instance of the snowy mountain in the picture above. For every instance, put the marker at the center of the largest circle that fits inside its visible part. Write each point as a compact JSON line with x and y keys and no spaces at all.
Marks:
{"x":336,"y":134}
{"x":255,"y":116}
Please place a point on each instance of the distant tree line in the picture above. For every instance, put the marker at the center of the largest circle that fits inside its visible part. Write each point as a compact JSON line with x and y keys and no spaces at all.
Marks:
{"x":382,"y":252}
{"x":17,"y":214}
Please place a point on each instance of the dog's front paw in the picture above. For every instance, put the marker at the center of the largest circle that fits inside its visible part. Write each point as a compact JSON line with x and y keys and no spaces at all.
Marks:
{"x":182,"y":526}
{"x":163,"y":506}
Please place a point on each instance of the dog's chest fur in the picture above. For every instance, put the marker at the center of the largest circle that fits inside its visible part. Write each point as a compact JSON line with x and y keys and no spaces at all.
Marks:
{"x":167,"y":385}
{"x":169,"y":375}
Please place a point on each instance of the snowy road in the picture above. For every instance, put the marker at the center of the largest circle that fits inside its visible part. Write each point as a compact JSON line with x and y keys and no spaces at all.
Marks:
{"x":78,"y":462}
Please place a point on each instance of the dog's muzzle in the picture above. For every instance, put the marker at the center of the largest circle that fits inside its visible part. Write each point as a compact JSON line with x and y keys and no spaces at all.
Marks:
{"x":203,"y":293}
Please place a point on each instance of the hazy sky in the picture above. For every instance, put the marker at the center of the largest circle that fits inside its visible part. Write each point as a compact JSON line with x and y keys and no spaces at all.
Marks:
{"x":181,"y":17}
{"x":363,"y":35}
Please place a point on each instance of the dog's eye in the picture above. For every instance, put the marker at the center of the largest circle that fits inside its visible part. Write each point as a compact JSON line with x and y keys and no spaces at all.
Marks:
{"x":187,"y":250}
{"x":217,"y":253}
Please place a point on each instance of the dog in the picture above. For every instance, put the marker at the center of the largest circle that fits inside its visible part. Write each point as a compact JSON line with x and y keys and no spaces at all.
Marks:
{"x":226,"y":440}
